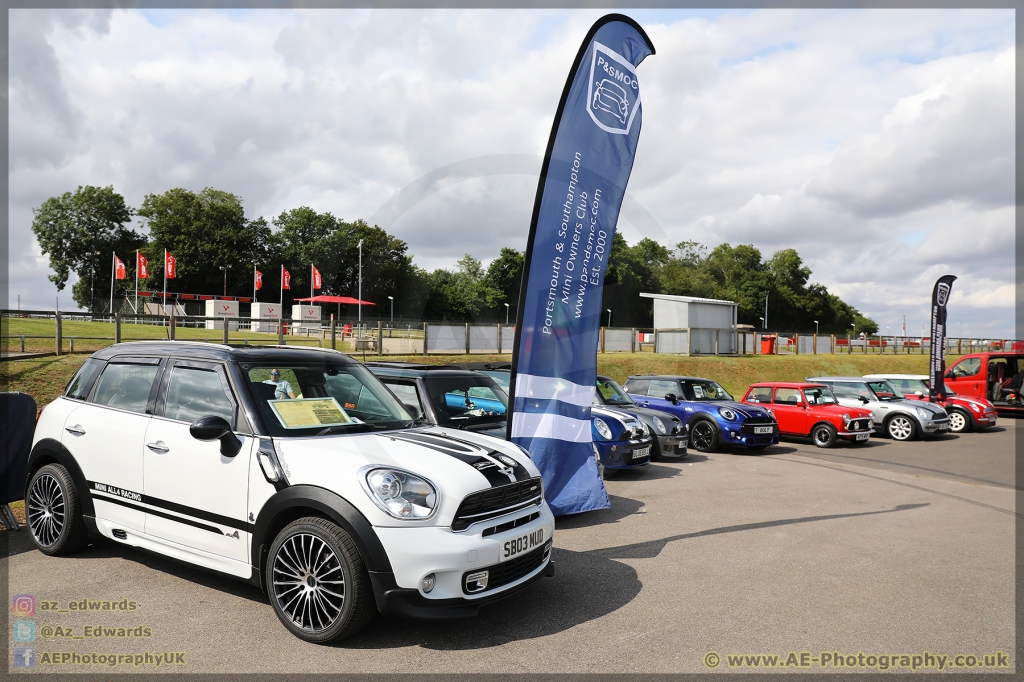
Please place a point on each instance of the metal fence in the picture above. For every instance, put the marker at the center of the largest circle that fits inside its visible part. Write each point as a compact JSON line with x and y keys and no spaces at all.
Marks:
{"x":24,"y":333}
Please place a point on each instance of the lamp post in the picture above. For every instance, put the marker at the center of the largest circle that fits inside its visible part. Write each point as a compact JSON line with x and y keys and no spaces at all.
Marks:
{"x":224,"y":269}
{"x":609,"y":311}
{"x":815,"y":327}
{"x":360,"y":283}
{"x":766,"y":310}
{"x":92,"y":281}
{"x":392,"y":299}
{"x":762,"y":324}
{"x":506,"y":314}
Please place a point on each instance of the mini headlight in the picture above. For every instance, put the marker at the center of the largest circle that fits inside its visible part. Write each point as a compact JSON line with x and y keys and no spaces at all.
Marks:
{"x":400,"y":494}
{"x":846,"y":420}
{"x":602,"y":428}
{"x":871,"y":422}
{"x":727,"y":413}
{"x":976,"y":407}
{"x":659,"y":425}
{"x":922,"y":413}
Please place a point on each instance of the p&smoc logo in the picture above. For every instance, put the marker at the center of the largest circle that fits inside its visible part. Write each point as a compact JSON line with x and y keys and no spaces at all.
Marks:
{"x":24,"y":605}
{"x":613,"y":94}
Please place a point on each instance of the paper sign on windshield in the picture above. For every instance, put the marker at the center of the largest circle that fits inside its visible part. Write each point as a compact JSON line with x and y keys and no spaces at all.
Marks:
{"x":698,"y":391}
{"x":304,"y":413}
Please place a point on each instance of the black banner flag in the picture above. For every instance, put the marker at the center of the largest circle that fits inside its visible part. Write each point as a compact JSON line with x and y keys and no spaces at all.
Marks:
{"x":937,"y":364}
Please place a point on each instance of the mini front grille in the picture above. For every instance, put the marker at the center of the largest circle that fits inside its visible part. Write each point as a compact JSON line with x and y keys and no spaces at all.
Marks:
{"x":509,"y":525}
{"x":511,"y":571}
{"x":747,"y":429}
{"x":495,"y":502}
{"x":859,"y":425}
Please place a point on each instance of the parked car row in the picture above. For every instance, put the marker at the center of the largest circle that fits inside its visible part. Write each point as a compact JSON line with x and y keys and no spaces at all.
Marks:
{"x":342,"y":489}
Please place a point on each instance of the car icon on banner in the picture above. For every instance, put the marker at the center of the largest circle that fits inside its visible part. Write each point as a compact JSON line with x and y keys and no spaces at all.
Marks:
{"x":613,"y":95}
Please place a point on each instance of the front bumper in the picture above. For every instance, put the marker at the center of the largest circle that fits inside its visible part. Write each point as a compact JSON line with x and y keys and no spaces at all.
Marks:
{"x":618,"y":454}
{"x":738,"y":435}
{"x":856,"y":435}
{"x":935,"y":425}
{"x":984,"y":420}
{"x":416,"y":552}
{"x":673,"y":445}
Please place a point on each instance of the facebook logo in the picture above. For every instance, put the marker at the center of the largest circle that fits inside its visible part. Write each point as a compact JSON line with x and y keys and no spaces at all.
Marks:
{"x":24,"y":657}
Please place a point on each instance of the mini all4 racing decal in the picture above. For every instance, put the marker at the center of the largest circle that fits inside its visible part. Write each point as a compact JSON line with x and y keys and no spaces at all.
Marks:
{"x":133,"y":500}
{"x":498,"y":468}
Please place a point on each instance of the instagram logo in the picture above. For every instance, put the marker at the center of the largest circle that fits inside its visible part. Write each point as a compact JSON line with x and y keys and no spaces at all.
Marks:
{"x":24,"y":605}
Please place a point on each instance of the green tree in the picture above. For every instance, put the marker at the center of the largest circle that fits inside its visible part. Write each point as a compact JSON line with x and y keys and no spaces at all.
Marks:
{"x":505,"y":275}
{"x":464,"y":294}
{"x":72,"y":227}
{"x":204,"y":231}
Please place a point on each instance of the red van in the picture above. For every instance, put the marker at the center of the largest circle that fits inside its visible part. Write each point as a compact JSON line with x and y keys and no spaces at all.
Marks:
{"x":996,"y":376}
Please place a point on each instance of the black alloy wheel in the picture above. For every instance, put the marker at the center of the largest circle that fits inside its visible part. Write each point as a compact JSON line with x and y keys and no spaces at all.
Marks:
{"x":54,"y":512}
{"x":317,"y":582}
{"x":824,"y":435}
{"x":703,"y":436}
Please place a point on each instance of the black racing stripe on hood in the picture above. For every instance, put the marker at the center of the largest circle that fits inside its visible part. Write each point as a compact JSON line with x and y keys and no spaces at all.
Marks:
{"x":488,"y":469}
{"x":518,"y":470}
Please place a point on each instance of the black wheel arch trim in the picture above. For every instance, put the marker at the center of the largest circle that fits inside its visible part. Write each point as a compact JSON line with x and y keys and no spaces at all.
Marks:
{"x":50,"y":449}
{"x":332,"y":506}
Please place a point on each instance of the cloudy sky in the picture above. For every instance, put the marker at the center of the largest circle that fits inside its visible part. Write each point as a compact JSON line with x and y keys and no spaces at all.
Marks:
{"x":879,"y":143}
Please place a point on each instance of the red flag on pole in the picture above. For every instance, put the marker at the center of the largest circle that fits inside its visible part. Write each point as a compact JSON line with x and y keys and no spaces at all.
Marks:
{"x":317,"y":280}
{"x":259,"y":280}
{"x":286,"y":279}
{"x":140,"y":267}
{"x":170,"y":266}
{"x":120,"y":271}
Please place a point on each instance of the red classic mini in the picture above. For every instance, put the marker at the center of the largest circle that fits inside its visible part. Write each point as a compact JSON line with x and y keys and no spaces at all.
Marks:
{"x":810,"y":410}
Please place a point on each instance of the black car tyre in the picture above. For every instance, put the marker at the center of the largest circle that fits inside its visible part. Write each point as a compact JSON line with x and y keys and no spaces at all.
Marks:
{"x":901,"y":427}
{"x":704,"y":436}
{"x":53,"y":510}
{"x":959,"y":421}
{"x":317,"y":582}
{"x":655,"y":449}
{"x":824,"y":435}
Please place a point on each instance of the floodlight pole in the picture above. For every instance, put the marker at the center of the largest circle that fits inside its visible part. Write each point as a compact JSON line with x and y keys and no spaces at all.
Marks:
{"x":609,"y":310}
{"x":224,"y":269}
{"x":360,"y":283}
{"x":506,"y":314}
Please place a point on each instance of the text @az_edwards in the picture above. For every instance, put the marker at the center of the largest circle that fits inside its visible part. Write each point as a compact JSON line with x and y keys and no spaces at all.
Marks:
{"x":837,"y":660}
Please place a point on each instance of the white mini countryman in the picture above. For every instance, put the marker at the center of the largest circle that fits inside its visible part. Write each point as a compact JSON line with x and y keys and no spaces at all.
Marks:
{"x":295,"y":469}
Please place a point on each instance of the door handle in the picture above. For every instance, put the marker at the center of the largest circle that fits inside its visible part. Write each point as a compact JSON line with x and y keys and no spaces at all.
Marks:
{"x":75,"y":430}
{"x":158,"y":447}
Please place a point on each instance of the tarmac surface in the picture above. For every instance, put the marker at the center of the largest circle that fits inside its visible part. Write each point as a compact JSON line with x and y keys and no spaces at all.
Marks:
{"x":887,"y":548}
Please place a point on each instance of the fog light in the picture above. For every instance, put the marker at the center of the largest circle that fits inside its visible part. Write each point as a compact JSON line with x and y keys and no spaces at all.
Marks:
{"x":476,"y":582}
{"x":428,"y":582}
{"x":732,"y":433}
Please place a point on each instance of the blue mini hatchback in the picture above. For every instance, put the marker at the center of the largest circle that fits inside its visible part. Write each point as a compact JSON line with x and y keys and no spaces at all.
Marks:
{"x":714,"y":418}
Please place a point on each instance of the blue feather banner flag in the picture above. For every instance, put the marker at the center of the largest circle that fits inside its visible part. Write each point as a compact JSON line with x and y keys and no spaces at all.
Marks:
{"x":582,"y":182}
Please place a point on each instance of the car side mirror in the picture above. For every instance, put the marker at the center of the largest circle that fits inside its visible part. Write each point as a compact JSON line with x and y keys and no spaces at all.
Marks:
{"x":950,"y":375}
{"x":863,"y":399}
{"x":216,"y":428}
{"x":918,"y":392}
{"x":412,"y":409}
{"x":671,"y":397}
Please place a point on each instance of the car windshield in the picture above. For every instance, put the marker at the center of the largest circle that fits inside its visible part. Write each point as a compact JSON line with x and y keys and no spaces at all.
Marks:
{"x":884,"y":390}
{"x":500,"y":377}
{"x":466,"y":399}
{"x":321,"y":399}
{"x":610,"y":393}
{"x":819,"y":395}
{"x":910,"y":386}
{"x":704,"y":390}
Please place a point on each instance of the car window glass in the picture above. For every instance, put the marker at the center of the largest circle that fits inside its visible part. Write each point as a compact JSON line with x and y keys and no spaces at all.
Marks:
{"x":404,"y":392}
{"x":612,"y":393}
{"x":704,"y":390}
{"x":282,"y":382}
{"x":787,"y":396}
{"x":459,"y":399}
{"x":660,"y":388}
{"x":819,"y":396}
{"x":967,"y":367}
{"x":760,"y":394}
{"x":125,"y":386}
{"x":193,"y":393}
{"x":884,"y":390}
{"x":78,"y":387}
{"x":637,"y":386}
{"x":845,"y":389}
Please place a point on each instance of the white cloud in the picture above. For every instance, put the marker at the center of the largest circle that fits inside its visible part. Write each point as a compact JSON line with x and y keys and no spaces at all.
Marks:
{"x":877,"y":143}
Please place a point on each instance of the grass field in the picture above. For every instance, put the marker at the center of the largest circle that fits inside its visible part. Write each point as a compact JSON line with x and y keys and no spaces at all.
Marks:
{"x":45,"y":378}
